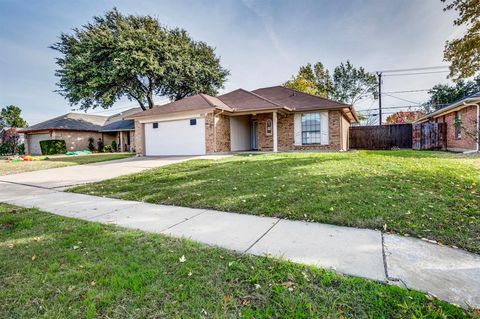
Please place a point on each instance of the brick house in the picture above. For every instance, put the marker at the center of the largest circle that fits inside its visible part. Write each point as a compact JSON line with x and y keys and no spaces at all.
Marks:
{"x":463,"y":136}
{"x":76,"y":129}
{"x":268,"y":119}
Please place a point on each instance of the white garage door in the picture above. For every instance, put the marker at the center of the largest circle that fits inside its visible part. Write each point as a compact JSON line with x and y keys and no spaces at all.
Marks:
{"x":179,"y":137}
{"x":34,"y":142}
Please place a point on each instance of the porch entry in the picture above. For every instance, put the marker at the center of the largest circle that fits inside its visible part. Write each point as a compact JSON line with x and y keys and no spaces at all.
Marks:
{"x":243,"y":133}
{"x":123,"y":141}
{"x":254,"y":142}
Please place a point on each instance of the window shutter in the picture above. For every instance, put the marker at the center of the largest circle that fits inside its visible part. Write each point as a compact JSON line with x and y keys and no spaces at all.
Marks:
{"x":324,"y":128}
{"x":297,"y":128}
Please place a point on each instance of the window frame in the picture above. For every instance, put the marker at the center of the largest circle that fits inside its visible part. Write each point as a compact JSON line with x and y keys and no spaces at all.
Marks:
{"x":311,"y":128}
{"x":457,"y":122}
{"x":268,"y":127}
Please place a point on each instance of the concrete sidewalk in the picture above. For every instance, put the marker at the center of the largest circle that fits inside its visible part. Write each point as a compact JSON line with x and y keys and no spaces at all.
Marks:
{"x":450,"y":274}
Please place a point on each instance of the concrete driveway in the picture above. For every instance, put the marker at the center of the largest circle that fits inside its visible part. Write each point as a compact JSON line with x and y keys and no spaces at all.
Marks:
{"x":63,"y":177}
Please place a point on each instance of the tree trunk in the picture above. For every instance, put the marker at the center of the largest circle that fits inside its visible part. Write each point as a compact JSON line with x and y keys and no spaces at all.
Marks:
{"x":151,"y":104}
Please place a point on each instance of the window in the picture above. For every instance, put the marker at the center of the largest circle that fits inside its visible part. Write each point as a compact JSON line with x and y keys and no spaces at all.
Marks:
{"x":268,"y":127}
{"x":310,"y":128}
{"x":155,"y":125}
{"x":193,"y":122}
{"x":458,"y":125}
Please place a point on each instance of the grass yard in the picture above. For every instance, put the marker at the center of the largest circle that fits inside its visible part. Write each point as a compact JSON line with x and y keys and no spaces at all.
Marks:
{"x":426,"y":194}
{"x":54,"y":161}
{"x":55,"y":267}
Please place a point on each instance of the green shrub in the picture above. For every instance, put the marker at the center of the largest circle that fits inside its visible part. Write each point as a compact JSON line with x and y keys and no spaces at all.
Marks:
{"x":5,"y":149}
{"x":91,"y":145}
{"x":51,"y":147}
{"x":100,"y":145}
{"x":108,"y":148}
{"x":21,"y":149}
{"x":114,"y":146}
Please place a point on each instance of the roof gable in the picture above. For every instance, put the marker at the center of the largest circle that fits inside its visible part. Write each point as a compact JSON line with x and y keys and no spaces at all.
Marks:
{"x":297,"y":100}
{"x":71,"y":121}
{"x":475,"y":98}
{"x":189,"y":103}
{"x":240,"y":100}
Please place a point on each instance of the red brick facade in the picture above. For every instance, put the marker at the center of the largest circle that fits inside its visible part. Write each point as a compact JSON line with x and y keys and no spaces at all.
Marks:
{"x":469,"y":124}
{"x":217,"y":133}
{"x":218,"y":140}
{"x":338,"y":135}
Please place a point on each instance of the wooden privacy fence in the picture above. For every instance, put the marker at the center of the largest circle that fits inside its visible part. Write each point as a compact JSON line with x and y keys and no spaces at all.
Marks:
{"x":383,"y":137}
{"x":430,"y":136}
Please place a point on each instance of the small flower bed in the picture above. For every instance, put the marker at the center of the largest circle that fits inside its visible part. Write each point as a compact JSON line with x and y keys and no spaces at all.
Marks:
{"x":26,"y":158}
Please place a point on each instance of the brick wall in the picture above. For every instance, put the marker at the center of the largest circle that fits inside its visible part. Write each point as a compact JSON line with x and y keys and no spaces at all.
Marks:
{"x":286,"y":132}
{"x":334,"y":135}
{"x":465,"y":142}
{"x":139,"y":138}
{"x":76,"y":140}
{"x":286,"y":137}
{"x":217,"y":133}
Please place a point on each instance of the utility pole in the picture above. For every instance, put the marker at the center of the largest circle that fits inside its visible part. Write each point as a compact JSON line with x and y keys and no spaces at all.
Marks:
{"x":379,"y":74}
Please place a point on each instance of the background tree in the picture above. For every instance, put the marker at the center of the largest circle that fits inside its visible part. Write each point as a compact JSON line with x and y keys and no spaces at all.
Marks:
{"x":443,"y":94}
{"x":464,"y":53}
{"x":136,"y":57}
{"x":353,"y":84}
{"x":348,"y":84}
{"x":313,"y":80}
{"x":9,"y":141}
{"x":10,"y":116}
{"x":403,"y":117}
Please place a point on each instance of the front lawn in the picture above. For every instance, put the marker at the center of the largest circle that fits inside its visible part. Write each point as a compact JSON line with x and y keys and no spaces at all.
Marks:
{"x":55,"y":267}
{"x":426,"y":194}
{"x":7,"y":168}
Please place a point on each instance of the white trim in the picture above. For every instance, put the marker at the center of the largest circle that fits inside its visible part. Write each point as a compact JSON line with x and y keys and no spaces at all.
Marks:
{"x":275,"y":135}
{"x":297,"y":129}
{"x":324,"y":128}
{"x":448,"y":109}
{"x":173,"y":118}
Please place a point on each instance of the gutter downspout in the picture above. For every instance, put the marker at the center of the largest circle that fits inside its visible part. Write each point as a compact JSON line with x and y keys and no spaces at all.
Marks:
{"x":478,"y":127}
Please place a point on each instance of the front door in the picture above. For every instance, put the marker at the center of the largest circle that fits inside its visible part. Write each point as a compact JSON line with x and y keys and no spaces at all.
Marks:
{"x":254,"y":135}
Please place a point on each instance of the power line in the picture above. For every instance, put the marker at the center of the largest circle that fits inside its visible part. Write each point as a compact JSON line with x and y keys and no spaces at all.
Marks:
{"x":416,"y":73}
{"x":406,"y":91}
{"x":415,"y":69}
{"x":393,"y":107}
{"x":402,"y":99}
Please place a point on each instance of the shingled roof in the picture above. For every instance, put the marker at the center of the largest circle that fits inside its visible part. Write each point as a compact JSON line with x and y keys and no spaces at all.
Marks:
{"x":70,"y":121}
{"x":269,"y":98}
{"x":243,"y":100}
{"x":472,"y":98}
{"x":189,"y":103}
{"x":296,"y":100}
{"x":87,"y":122}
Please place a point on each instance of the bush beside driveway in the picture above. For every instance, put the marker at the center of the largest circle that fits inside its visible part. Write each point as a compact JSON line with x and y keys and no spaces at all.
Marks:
{"x":433,"y":195}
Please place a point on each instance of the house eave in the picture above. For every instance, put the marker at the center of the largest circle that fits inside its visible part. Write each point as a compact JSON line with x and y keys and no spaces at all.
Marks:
{"x":452,"y":108}
{"x":55,"y":129}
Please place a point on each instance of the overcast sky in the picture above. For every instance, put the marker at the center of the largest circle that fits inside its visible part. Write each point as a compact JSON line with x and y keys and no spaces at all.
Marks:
{"x":261,"y":42}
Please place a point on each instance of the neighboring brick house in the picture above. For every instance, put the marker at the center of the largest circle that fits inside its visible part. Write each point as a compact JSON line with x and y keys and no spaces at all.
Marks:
{"x":268,"y":119}
{"x":77,"y":128}
{"x":463,"y":136}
